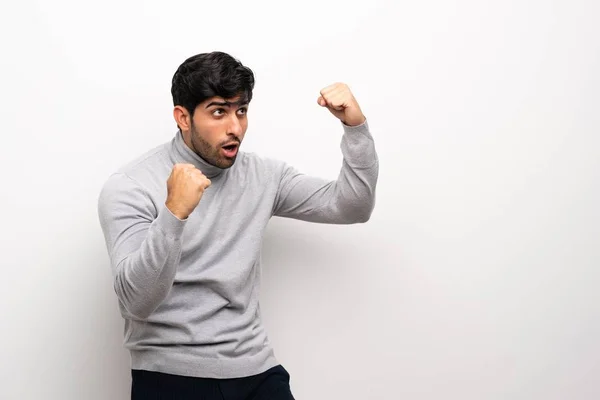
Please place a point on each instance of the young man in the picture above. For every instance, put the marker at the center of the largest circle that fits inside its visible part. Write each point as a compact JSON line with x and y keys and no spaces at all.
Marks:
{"x":183,"y":226}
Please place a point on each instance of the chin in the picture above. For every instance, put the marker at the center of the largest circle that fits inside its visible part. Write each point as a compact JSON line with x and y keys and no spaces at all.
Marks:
{"x":226,"y":163}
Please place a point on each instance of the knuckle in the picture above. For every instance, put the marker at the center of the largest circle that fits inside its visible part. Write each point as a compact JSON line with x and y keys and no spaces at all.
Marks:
{"x":198,"y":174}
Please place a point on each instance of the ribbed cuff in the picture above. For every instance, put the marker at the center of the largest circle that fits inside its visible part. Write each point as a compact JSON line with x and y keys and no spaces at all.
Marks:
{"x":169,"y":223}
{"x":353,"y":130}
{"x":358,"y":147}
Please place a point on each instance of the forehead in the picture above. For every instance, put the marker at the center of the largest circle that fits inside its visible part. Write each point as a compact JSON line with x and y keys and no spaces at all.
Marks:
{"x":235,"y":101}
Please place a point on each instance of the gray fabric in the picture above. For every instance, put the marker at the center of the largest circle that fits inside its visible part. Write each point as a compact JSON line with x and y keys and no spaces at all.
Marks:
{"x":189,"y":289}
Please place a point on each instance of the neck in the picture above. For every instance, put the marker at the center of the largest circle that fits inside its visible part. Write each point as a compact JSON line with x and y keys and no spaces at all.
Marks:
{"x":184,"y":153}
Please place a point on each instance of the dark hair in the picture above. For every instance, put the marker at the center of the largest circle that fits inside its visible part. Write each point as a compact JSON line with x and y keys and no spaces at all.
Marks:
{"x":208,"y":75}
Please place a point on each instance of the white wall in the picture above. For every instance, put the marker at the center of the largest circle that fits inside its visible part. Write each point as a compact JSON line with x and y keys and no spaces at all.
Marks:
{"x":476,"y":277}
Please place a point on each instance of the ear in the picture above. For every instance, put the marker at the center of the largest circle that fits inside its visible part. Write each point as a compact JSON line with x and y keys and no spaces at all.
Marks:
{"x":182,"y":118}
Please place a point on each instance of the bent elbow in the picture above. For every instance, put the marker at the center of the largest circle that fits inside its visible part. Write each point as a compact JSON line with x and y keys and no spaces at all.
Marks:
{"x":363,"y":217}
{"x":135,"y":305}
{"x":142,"y":313}
{"x":359,"y":215}
{"x":138,"y":309}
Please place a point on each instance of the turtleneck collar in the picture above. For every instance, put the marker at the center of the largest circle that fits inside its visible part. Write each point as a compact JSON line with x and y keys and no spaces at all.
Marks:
{"x":183,"y":154}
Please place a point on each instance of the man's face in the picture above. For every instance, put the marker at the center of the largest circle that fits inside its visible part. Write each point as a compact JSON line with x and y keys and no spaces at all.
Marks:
{"x":218,"y":128}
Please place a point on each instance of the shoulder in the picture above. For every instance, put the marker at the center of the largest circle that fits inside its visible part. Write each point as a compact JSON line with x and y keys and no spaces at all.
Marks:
{"x":133,"y":177}
{"x":249,"y":162}
{"x":251,"y":159}
{"x":142,"y":168}
{"x":146,"y":162}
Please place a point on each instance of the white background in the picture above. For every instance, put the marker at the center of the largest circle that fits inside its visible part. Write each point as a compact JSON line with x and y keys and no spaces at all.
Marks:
{"x":477,"y":276}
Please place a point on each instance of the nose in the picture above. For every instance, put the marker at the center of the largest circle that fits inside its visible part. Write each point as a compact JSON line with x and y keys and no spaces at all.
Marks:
{"x":235,"y":127}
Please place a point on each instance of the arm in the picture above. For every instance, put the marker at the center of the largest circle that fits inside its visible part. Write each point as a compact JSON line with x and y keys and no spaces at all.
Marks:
{"x":144,"y":244}
{"x":144,"y":248}
{"x":350,"y":198}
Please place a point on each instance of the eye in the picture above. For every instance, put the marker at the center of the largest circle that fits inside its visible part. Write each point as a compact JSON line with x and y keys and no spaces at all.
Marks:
{"x":242,"y":111}
{"x":218,"y":112}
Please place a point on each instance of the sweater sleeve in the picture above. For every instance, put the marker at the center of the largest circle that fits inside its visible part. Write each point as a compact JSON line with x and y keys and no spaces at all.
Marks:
{"x":347,"y":200}
{"x":143,"y":242}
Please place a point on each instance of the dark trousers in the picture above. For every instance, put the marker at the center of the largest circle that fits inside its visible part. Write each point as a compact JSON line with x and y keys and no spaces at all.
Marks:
{"x":273,"y":384}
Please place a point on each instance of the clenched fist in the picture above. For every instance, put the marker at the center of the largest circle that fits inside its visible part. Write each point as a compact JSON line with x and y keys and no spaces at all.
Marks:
{"x":185,"y":188}
{"x":341,"y":102}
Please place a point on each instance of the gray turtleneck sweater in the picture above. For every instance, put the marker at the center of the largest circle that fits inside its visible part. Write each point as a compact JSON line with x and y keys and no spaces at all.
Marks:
{"x":189,"y":289}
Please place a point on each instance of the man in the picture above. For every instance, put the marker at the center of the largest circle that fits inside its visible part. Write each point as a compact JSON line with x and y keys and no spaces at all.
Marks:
{"x":183,"y":226}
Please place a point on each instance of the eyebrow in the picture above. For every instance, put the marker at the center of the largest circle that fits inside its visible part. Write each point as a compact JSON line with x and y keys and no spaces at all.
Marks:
{"x":227,"y":103}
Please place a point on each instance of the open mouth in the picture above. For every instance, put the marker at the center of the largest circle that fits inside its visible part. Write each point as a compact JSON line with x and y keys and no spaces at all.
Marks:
{"x":230,"y":150}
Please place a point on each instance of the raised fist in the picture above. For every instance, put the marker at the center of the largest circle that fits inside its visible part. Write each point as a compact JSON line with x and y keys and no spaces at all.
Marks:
{"x":185,"y":188}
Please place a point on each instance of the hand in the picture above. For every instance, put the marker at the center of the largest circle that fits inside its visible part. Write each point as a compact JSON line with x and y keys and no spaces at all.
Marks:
{"x":341,"y":102}
{"x":185,"y":188}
